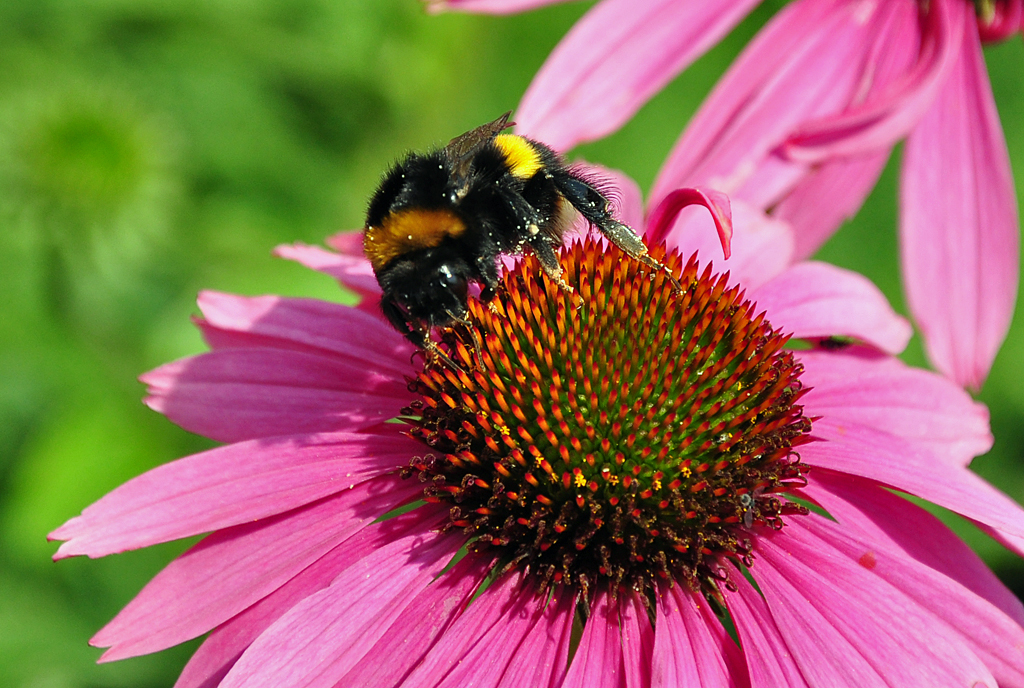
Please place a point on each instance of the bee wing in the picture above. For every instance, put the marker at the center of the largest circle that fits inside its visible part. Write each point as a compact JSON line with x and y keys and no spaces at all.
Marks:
{"x":461,"y":149}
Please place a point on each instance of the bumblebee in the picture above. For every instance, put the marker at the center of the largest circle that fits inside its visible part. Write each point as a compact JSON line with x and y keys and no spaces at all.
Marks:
{"x":440,"y":220}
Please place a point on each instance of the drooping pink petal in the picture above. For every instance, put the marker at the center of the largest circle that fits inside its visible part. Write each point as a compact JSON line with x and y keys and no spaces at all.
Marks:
{"x":889,"y":112}
{"x":897,"y":463}
{"x":352,"y":272}
{"x":598,"y":659}
{"x":827,"y":196}
{"x":233,"y":568}
{"x":227,"y":486}
{"x":769,"y":662}
{"x":762,"y":246}
{"x":813,"y":59}
{"x":308,"y":325}
{"x":613,"y":60}
{"x":1007,"y":18}
{"x":434,"y":610}
{"x":219,"y":652}
{"x":857,"y":387}
{"x":876,"y":515}
{"x":637,"y":640}
{"x":836,"y":618}
{"x":814,"y":299}
{"x":320,"y":639}
{"x":487,"y":6}
{"x":663,"y":217}
{"x":479,"y":646}
{"x":690,"y":646}
{"x":995,"y":638}
{"x":959,"y":227}
{"x":232,"y":395}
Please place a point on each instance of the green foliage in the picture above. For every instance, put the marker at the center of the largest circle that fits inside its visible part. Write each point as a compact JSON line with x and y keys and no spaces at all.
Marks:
{"x":152,"y":148}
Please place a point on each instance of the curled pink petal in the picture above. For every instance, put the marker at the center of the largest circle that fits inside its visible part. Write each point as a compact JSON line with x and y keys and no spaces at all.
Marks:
{"x":1007,"y":18}
{"x":892,"y":109}
{"x":663,"y":216}
{"x":613,"y":60}
{"x":960,"y":232}
{"x":855,"y":387}
{"x":814,"y":299}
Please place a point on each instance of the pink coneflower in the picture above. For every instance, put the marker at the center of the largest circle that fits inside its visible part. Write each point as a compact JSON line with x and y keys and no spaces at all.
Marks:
{"x":628,"y":459}
{"x":804,"y":121}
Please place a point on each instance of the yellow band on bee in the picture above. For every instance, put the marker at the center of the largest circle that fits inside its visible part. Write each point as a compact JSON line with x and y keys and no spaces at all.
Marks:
{"x":409,"y":230}
{"x":521,"y":155}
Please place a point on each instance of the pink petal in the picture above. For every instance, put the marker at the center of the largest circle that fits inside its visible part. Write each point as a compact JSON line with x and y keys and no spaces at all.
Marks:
{"x":769,"y":659}
{"x":847,"y":627}
{"x":232,"y":395}
{"x":690,"y":646}
{"x":487,"y":6}
{"x":215,"y":657}
{"x":900,"y":464}
{"x":827,"y":196}
{"x":994,"y":637}
{"x":761,"y":246}
{"x":613,"y":60}
{"x":875,"y":515}
{"x":637,"y":640}
{"x":322,"y":637}
{"x":855,"y":387}
{"x":960,"y":233}
{"x":228,"y":486}
{"x":307,"y":325}
{"x":598,"y":659}
{"x":480,"y":645}
{"x":540,"y":660}
{"x":435,"y":609}
{"x":233,"y":568}
{"x":813,"y":59}
{"x":812,"y":300}
{"x":664,"y":215}
{"x":1007,"y":19}
{"x":353,"y":272}
{"x":888,"y":113}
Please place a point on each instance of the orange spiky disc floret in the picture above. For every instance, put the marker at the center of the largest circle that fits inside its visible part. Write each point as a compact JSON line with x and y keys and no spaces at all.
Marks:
{"x":626,"y":431}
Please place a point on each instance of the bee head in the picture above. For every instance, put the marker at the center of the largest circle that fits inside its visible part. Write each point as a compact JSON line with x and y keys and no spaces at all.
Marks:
{"x":430,"y":287}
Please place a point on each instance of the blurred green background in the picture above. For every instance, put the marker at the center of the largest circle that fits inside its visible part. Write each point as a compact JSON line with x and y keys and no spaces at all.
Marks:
{"x":152,"y":148}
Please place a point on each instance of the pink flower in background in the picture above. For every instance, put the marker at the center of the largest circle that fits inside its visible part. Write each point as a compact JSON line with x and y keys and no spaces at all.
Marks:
{"x":562,"y":448}
{"x":803,"y":123}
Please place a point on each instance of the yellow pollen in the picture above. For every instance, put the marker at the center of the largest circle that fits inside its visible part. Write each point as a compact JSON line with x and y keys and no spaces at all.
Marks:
{"x":579,"y":480}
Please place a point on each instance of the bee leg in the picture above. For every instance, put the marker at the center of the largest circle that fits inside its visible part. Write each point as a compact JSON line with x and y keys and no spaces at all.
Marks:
{"x":549,"y":261}
{"x":592,"y":205}
{"x":526,"y":218}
